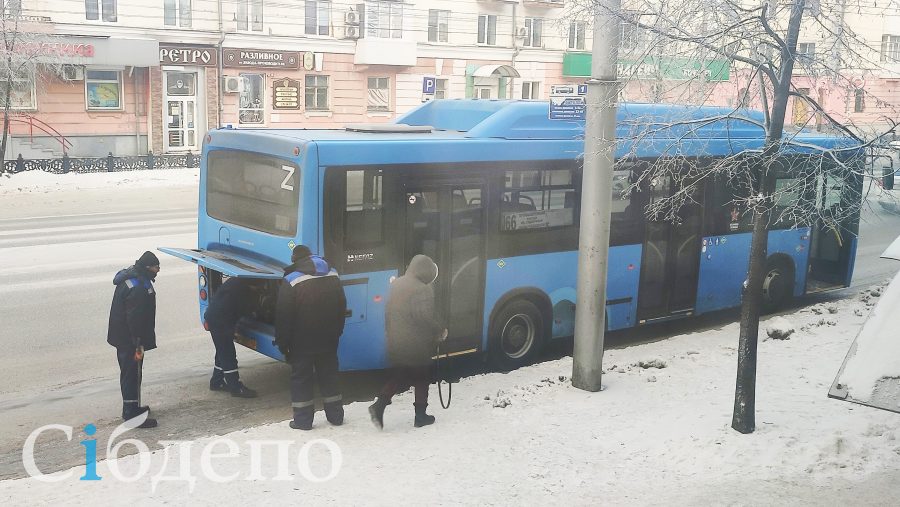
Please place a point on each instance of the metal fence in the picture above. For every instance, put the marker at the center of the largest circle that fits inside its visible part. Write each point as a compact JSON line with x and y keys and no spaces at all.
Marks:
{"x":109,"y":163}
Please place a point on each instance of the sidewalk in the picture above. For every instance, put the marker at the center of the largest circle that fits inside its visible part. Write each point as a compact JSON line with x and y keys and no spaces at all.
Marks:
{"x":655,"y":436}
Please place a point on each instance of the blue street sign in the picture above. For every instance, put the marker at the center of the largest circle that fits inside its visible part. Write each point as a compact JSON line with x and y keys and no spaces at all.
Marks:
{"x":428,"y":85}
{"x":582,"y":89}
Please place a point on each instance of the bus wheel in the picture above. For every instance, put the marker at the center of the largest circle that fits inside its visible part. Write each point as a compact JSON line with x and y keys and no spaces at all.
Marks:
{"x":778,"y":286}
{"x":518,"y":335}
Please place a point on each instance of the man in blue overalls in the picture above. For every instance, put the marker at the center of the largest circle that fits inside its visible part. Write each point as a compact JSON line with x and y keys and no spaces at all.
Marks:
{"x":309,"y":320}
{"x":228,"y":304}
{"x":132,"y":330}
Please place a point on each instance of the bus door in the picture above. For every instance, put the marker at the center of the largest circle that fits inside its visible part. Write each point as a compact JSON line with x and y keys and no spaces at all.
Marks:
{"x":670,"y":263}
{"x":833,"y":234}
{"x":446,"y":223}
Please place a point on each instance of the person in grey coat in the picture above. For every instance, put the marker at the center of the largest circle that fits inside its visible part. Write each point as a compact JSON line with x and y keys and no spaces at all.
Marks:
{"x":413,"y":332}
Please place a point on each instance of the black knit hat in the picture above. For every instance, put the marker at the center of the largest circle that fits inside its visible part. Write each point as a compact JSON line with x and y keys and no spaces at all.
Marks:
{"x":300,"y":252}
{"x":147,"y":259}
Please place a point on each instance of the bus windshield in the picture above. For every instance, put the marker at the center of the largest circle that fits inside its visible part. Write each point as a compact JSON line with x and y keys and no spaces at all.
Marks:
{"x":260,"y":192}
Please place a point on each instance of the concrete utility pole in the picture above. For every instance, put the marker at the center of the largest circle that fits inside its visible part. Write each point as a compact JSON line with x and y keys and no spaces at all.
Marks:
{"x":599,"y":156}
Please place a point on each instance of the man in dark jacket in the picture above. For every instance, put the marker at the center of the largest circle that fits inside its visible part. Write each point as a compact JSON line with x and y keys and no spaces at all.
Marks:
{"x":132,"y":330}
{"x":227,"y":305}
{"x":309,"y":321}
{"x":413,"y":332}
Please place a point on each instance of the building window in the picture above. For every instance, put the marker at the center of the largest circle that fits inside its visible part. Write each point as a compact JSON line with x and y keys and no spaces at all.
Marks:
{"x":11,"y":7}
{"x":316,"y":93}
{"x":531,"y":90}
{"x":384,"y":20}
{"x":251,"y":110}
{"x":487,"y":29}
{"x":250,"y":15}
{"x":438,"y":25}
{"x":533,"y":32}
{"x":379,"y":94}
{"x":440,"y":88}
{"x":103,"y":89}
{"x":318,"y":17}
{"x":806,"y":52}
{"x":859,"y":101}
{"x":177,"y":12}
{"x":576,"y":35}
{"x":95,"y":10}
{"x":890,"y":48}
{"x":22,"y":92}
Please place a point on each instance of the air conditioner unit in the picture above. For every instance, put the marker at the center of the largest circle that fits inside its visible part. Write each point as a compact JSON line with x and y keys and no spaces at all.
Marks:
{"x":72,"y":73}
{"x":351,"y":18}
{"x":233,"y":84}
{"x":522,"y":32}
{"x":351,"y":32}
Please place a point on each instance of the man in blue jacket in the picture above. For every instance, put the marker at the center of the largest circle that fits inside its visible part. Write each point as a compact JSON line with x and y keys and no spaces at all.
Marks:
{"x":132,"y":330}
{"x":309,"y":321}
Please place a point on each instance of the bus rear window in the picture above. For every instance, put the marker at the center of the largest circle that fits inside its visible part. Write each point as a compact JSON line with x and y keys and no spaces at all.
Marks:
{"x":252,"y":190}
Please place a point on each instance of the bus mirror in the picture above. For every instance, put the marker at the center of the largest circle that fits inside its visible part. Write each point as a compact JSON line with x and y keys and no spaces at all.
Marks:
{"x":888,"y":178}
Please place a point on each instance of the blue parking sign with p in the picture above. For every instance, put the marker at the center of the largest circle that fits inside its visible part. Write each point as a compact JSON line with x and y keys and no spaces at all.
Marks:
{"x":428,"y":85}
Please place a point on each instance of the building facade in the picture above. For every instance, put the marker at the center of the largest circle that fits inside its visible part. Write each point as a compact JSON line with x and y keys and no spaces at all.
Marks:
{"x":131,"y":76}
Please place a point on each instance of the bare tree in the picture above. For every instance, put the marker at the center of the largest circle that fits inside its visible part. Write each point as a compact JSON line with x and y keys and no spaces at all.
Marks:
{"x":23,"y":62}
{"x":736,"y":54}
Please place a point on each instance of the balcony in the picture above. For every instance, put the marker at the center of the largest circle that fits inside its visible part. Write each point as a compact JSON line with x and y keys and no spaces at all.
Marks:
{"x":547,"y":4}
{"x":385,"y":51}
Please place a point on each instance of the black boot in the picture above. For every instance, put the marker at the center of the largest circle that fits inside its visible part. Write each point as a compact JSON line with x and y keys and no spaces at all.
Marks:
{"x":241,"y":391}
{"x":334,"y":412}
{"x":422,"y":419}
{"x":303,"y":418}
{"x":376,"y":411}
{"x":149,"y":422}
{"x":217,"y":384}
{"x":217,"y":381}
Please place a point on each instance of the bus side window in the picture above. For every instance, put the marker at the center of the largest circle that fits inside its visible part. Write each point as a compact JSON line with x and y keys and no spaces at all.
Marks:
{"x":626,"y":217}
{"x":364,"y":210}
{"x":729,"y":206}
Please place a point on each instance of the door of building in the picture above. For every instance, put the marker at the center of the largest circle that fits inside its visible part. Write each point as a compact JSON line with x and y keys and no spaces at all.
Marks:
{"x":180,"y":115}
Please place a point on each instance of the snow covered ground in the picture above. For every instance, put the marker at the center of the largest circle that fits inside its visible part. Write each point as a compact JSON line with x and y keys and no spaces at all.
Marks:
{"x":659,"y":434}
{"x":43,"y":182}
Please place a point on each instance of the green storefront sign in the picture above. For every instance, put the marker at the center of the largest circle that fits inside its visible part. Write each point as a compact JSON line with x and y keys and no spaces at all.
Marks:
{"x":652,"y":67}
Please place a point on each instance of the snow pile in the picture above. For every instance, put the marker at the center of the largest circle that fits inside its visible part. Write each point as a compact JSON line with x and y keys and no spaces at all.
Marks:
{"x":529,"y":437}
{"x":779,"y":328}
{"x":40,"y":181}
{"x":876,"y":358}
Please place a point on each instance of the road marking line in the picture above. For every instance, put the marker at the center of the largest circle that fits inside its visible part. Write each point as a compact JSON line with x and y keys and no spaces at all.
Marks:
{"x":168,"y":210}
{"x":97,"y":227}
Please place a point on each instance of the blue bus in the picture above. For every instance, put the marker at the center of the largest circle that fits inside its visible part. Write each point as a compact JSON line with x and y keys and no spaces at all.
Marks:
{"x":490,"y":191}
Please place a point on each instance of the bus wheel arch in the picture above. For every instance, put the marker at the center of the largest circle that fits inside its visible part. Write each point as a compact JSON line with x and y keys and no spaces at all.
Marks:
{"x":519,"y":328}
{"x":778,"y":283}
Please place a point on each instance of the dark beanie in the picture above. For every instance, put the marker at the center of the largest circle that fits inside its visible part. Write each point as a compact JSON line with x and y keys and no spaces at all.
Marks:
{"x":300,"y":252}
{"x":147,"y":259}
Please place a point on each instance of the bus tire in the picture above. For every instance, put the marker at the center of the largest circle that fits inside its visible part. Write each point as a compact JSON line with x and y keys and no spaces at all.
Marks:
{"x":517,"y":335}
{"x":778,"y":285}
